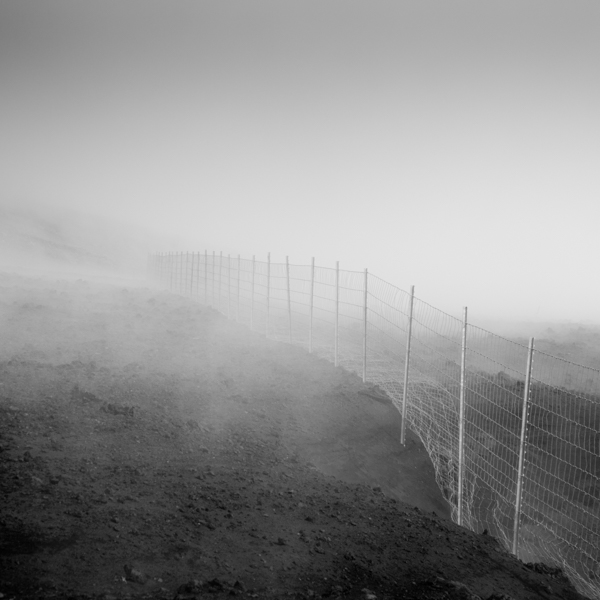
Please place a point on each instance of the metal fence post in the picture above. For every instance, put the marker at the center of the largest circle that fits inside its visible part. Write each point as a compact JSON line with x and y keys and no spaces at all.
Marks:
{"x":252,"y":294}
{"x":192,"y":274}
{"x":205,"y":277}
{"x":213,"y":278}
{"x":229,"y":286}
{"x":364,"y":370}
{"x":220,"y":274}
{"x":461,"y":419}
{"x":336,"y":341}
{"x":406,"y":367}
{"x":181,"y":272}
{"x":198,"y":276}
{"x":239,"y":267}
{"x":268,"y":292}
{"x":171,"y":270}
{"x":289,"y":296}
{"x":311,"y":305}
{"x":522,"y":449}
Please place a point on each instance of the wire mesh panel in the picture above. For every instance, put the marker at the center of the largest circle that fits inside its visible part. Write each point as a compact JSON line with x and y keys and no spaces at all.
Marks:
{"x":362,"y":323}
{"x":561,"y":491}
{"x":432,"y":410}
{"x":387,"y":317}
{"x":494,"y":395}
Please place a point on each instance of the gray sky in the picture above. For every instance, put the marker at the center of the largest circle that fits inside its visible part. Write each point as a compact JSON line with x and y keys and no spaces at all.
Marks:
{"x":453,"y":145}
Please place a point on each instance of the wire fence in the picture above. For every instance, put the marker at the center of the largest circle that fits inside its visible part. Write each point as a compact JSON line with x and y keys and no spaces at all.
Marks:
{"x":513,"y":433}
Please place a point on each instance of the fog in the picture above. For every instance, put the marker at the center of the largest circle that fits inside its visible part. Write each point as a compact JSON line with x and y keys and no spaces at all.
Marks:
{"x":453,"y":146}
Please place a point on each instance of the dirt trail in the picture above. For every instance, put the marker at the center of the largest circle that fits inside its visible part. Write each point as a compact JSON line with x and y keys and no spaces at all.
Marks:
{"x":149,"y":448}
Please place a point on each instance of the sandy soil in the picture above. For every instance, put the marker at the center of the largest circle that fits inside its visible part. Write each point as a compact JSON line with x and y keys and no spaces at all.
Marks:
{"x":149,"y":448}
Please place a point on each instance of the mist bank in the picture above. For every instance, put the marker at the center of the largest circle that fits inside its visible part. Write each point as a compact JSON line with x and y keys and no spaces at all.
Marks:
{"x":39,"y":240}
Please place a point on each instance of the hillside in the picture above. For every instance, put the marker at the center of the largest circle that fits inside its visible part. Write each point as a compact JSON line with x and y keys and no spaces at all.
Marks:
{"x":42,"y":239}
{"x":149,"y":448}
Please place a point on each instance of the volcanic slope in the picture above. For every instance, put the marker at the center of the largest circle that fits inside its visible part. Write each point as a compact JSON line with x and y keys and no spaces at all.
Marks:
{"x":151,"y":448}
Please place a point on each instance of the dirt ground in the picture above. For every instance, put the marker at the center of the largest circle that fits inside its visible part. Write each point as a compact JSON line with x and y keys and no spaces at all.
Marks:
{"x":150,"y":448}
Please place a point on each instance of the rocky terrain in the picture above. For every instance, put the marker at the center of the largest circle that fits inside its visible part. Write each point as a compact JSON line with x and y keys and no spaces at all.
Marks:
{"x":150,"y":448}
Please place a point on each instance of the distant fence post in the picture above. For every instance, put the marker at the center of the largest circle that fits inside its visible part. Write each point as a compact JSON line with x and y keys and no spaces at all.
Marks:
{"x":229,"y":286}
{"x":198,"y":276}
{"x":181,"y":282}
{"x":192,"y":274}
{"x":365,"y":323}
{"x":268,"y":292}
{"x":213,"y":278}
{"x":237,"y":312}
{"x":205,"y":277}
{"x":336,"y":332}
{"x":406,"y":367}
{"x":171,"y":269}
{"x":461,"y":419}
{"x":522,"y":448}
{"x":220,"y":273}
{"x":252,"y":294}
{"x":289,"y":295}
{"x":311,"y":305}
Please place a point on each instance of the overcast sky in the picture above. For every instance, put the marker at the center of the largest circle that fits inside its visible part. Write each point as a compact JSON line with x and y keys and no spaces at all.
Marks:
{"x":453,"y":145}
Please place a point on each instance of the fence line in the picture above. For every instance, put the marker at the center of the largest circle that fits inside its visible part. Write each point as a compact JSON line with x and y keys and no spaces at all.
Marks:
{"x":513,"y":433}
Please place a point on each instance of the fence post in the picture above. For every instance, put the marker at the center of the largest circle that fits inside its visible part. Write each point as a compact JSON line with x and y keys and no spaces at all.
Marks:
{"x":220,"y":274}
{"x":461,"y":418}
{"x":229,"y":286}
{"x":252,"y":294}
{"x":237,"y":312}
{"x":198,"y":276}
{"x":522,"y":448}
{"x":205,"y":277}
{"x":311,"y":306}
{"x":406,"y":366}
{"x":268,"y":292}
{"x":364,"y":370}
{"x":171,"y":270}
{"x":181,"y":283}
{"x":192,"y":275}
{"x":289,"y":296}
{"x":336,"y":341}
{"x":213,"y":279}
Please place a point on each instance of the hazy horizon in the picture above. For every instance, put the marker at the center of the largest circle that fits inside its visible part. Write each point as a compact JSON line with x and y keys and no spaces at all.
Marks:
{"x":453,"y":146}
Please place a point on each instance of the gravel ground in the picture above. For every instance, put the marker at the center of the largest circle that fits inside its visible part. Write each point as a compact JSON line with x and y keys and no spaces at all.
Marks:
{"x":150,"y":448}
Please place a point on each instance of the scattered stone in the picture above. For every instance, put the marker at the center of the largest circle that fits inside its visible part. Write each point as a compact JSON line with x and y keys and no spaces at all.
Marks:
{"x":191,"y":587}
{"x":118,"y":409}
{"x":134,"y":575}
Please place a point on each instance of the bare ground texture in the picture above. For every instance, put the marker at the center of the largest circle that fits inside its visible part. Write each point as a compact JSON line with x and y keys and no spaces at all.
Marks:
{"x":150,"y":448}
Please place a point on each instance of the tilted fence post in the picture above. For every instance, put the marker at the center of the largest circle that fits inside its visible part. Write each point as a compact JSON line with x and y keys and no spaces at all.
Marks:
{"x":365,"y":323}
{"x":406,"y":367}
{"x":522,"y":450}
{"x":461,"y":419}
{"x":311,"y":305}
{"x":289,"y":295}
{"x":336,"y":332}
